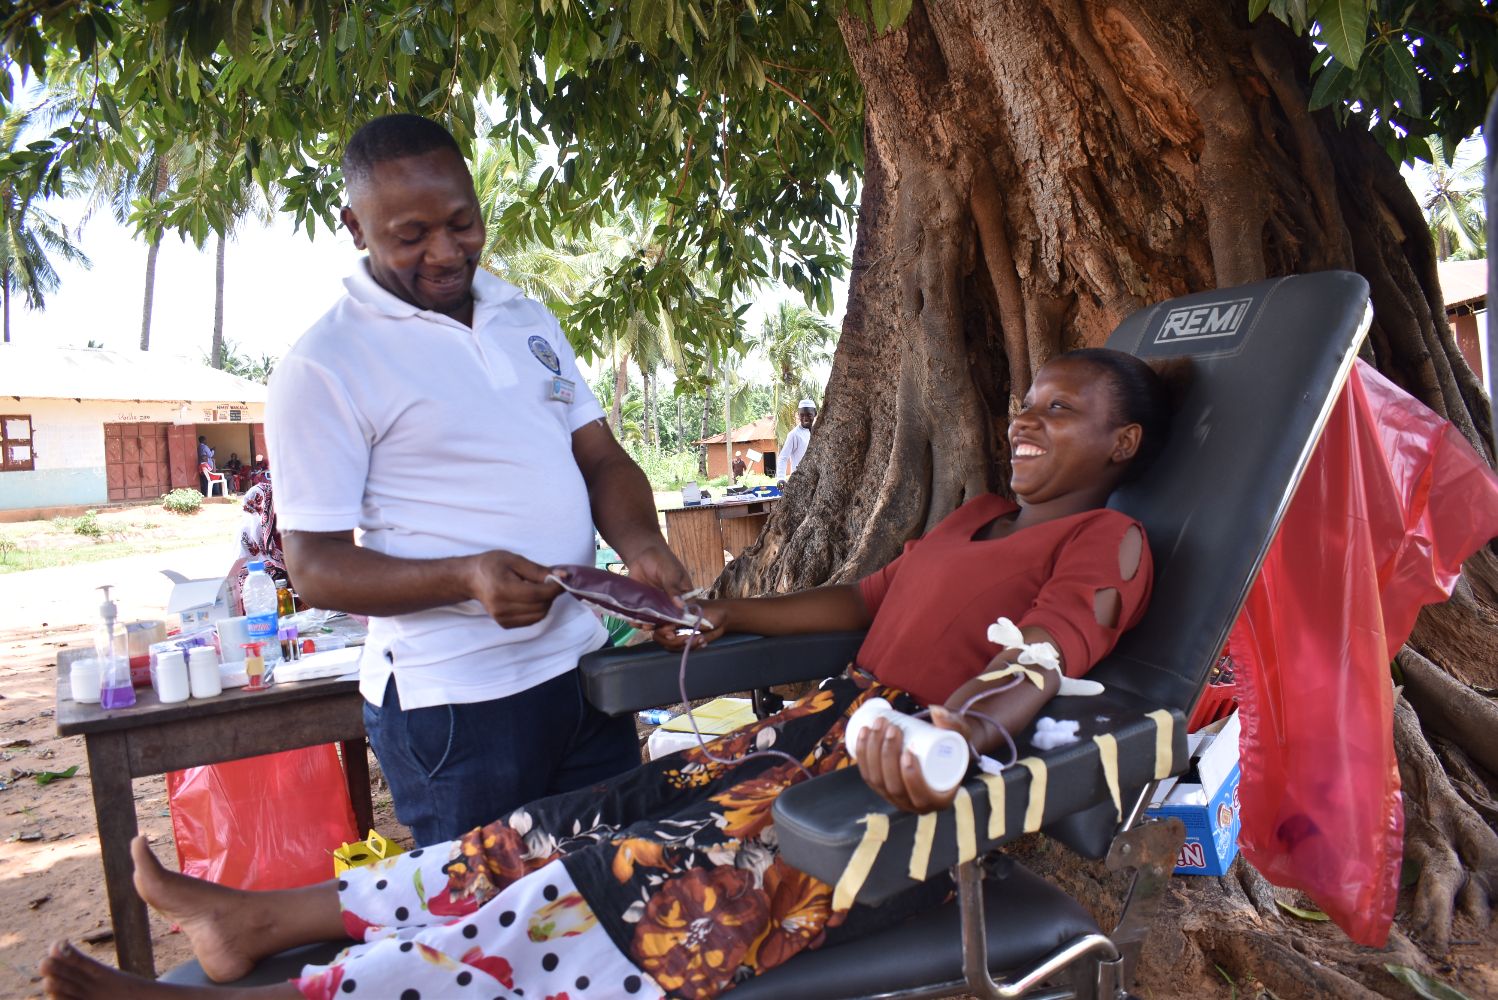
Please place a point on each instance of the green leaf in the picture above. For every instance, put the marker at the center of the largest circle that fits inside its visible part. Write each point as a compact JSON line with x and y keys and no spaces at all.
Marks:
{"x":1331,"y":86}
{"x":1303,"y":914}
{"x":1425,"y":986}
{"x":47,"y":777}
{"x":1344,"y":29}
{"x":1256,"y":8}
{"x":1403,"y":81}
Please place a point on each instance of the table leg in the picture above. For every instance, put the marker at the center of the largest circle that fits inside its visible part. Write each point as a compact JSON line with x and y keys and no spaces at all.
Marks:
{"x":114,"y":809}
{"x":356,"y":773}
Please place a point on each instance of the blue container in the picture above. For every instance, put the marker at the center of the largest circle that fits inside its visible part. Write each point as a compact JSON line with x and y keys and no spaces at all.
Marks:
{"x":656,"y":716}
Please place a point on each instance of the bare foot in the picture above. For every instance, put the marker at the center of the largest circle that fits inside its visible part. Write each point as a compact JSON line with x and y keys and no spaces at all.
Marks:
{"x":68,"y":974}
{"x":220,"y":922}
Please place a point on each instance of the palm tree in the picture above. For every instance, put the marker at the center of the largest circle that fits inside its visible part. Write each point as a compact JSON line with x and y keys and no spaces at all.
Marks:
{"x":793,"y":340}
{"x":1453,"y":208}
{"x":551,"y":274}
{"x":29,"y":235}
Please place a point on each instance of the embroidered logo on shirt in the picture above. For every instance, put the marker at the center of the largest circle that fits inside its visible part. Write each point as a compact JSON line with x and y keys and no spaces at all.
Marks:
{"x":544,"y":354}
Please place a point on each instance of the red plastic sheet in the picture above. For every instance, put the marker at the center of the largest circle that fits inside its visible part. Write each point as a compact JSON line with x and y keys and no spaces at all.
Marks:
{"x":268,"y":822}
{"x":1392,"y":503}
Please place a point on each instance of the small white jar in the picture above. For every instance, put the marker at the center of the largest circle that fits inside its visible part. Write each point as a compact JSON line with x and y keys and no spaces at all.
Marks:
{"x":83,"y":680}
{"x":203,"y":673}
{"x":171,"y":677}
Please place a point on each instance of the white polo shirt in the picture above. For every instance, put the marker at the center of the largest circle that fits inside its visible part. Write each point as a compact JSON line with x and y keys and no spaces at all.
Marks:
{"x":437,"y":439}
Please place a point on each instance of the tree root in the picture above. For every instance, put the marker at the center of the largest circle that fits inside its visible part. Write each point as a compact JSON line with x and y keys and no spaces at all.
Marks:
{"x":1457,"y":853}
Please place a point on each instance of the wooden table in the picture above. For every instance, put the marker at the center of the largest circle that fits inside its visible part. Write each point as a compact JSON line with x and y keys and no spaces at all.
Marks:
{"x":700,"y":535}
{"x":152,"y":738}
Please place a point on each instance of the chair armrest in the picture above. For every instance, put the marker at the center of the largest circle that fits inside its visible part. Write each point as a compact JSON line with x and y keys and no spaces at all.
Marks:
{"x":620,"y":681}
{"x":820,"y":823}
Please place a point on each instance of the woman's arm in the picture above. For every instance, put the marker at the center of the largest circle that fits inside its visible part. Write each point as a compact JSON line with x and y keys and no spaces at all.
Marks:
{"x":838,"y":608}
{"x":896,"y":774}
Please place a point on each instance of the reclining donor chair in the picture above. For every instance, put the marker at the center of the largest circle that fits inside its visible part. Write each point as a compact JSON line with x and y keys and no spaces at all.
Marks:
{"x":1268,"y":363}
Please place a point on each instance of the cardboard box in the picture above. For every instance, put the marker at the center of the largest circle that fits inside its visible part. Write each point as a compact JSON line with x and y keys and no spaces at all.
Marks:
{"x":717,"y":718}
{"x":1210,"y":809}
{"x":199,"y":602}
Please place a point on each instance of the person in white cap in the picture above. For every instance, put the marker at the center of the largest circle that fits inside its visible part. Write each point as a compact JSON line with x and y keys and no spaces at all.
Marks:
{"x":794,"y":448}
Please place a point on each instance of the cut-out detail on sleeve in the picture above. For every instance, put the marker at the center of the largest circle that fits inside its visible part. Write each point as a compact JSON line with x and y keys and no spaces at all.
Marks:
{"x":1107,"y":605}
{"x":1129,"y":552}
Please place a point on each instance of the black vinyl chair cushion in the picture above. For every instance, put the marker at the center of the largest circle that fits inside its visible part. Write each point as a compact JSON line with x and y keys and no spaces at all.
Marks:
{"x":819,"y":823}
{"x":270,"y":971}
{"x":1026,"y":918}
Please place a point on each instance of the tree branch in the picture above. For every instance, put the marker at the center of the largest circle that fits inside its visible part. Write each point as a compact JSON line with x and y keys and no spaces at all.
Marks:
{"x":797,"y":98}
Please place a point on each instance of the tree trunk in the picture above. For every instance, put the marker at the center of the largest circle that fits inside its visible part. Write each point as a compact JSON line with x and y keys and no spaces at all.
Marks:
{"x":218,"y":305}
{"x":621,"y":386}
{"x":1037,"y":171}
{"x":647,"y":389}
{"x":707,"y":416}
{"x":148,"y":301}
{"x":5,"y":293}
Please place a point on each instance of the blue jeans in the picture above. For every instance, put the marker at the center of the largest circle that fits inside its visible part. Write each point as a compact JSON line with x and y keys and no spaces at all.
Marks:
{"x":454,"y":767}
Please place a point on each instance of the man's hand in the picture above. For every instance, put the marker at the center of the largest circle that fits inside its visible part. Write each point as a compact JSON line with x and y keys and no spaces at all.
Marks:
{"x":511,"y":588}
{"x":892,"y":771}
{"x":658,"y":566}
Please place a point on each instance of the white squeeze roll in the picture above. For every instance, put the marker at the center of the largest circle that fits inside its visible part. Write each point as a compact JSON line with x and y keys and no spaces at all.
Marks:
{"x":942,"y":753}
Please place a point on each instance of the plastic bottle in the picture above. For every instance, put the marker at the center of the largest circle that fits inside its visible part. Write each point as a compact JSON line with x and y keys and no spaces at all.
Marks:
{"x":261,"y":619}
{"x":285,"y":602}
{"x":115,"y":689}
{"x":172,"y":684}
{"x":943,"y":754}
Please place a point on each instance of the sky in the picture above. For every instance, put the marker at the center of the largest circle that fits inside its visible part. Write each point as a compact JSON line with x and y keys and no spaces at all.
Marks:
{"x":277,"y":282}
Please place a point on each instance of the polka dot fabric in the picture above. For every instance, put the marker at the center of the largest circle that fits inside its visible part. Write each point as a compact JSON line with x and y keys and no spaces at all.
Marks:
{"x":537,"y":938}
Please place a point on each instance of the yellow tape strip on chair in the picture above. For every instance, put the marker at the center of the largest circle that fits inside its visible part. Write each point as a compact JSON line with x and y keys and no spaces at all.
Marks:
{"x":920,"y":851}
{"x":995,"y":783}
{"x":1164,"y":751}
{"x":1107,"y":750}
{"x":876,"y":832}
{"x":1035,"y":808}
{"x":967,"y":827}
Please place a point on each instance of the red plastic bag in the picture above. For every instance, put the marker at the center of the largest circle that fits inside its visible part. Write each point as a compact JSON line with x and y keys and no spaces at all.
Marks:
{"x":268,"y":822}
{"x":1391,"y":504}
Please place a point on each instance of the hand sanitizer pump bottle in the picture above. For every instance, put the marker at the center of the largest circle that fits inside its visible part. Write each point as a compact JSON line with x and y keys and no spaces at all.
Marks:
{"x":115,"y":689}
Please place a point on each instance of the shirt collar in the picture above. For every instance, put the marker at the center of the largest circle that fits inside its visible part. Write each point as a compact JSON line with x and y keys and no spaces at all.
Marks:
{"x":488,"y":291}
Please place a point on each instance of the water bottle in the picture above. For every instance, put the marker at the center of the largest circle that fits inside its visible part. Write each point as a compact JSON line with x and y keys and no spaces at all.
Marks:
{"x":261,"y":620}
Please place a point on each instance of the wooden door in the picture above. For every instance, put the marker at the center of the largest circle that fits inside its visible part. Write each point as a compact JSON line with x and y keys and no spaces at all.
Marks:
{"x":182,"y":456}
{"x":135,"y":461}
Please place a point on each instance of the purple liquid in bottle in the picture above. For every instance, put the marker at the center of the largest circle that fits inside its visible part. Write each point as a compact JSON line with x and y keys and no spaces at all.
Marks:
{"x":117,"y":697}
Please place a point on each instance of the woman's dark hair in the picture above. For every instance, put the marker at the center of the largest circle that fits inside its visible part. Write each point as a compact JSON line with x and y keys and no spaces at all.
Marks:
{"x":392,"y":137}
{"x":1141,"y":396}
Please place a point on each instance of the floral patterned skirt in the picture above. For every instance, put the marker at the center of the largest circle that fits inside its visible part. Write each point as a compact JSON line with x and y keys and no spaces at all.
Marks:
{"x":676,"y":863}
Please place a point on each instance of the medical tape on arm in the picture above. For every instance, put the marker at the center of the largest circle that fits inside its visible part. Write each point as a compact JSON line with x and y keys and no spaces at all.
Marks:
{"x":875,"y":833}
{"x":1164,"y":742}
{"x":1107,"y":751}
{"x":1035,"y":808}
{"x":1041,"y":654}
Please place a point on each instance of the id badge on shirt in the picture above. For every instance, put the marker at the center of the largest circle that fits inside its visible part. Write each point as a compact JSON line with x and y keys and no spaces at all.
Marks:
{"x":560,"y":389}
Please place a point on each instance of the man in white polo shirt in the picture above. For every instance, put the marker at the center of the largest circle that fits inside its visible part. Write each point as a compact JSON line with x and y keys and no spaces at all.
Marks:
{"x":441,"y":412}
{"x":793,"y":450}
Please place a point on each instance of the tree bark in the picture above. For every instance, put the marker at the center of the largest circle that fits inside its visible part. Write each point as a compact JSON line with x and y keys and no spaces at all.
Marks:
{"x":1037,"y":171}
{"x":5,"y":293}
{"x":218,"y":305}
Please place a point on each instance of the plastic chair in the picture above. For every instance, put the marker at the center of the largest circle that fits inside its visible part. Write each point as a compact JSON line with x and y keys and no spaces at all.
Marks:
{"x":212,"y":479}
{"x":1274,"y":351}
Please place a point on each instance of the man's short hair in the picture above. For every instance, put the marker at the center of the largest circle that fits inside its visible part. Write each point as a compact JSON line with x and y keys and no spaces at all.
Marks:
{"x":392,"y":137}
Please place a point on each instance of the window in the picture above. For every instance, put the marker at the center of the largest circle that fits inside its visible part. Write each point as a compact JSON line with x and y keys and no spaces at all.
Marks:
{"x":15,"y":444}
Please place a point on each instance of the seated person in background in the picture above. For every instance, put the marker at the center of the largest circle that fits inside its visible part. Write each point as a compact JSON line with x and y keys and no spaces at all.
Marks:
{"x":668,"y":879}
{"x":234,"y":467}
{"x":259,"y":471}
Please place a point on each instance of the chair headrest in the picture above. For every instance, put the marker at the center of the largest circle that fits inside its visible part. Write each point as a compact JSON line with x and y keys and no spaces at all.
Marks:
{"x":1268,"y":362}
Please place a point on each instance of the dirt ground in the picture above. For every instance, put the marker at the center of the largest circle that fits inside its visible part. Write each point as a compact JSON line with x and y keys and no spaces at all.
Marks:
{"x":50,"y":872}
